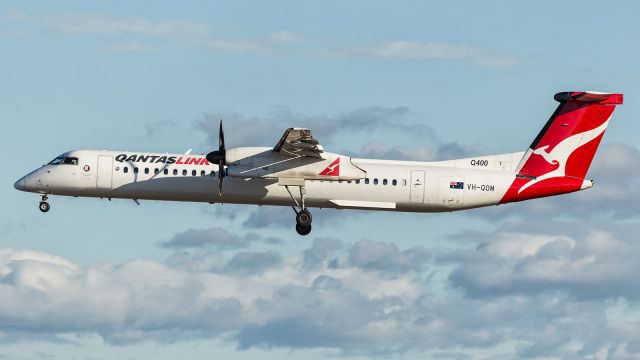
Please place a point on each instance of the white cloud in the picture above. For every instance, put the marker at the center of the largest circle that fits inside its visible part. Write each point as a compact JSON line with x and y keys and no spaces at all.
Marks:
{"x":368,"y":298}
{"x":236,"y":46}
{"x":110,"y":25}
{"x":595,"y":261}
{"x":216,"y":237}
{"x":137,"y":30}
{"x":434,"y":50}
{"x":131,"y":46}
{"x":325,"y":127}
{"x":287,"y":37}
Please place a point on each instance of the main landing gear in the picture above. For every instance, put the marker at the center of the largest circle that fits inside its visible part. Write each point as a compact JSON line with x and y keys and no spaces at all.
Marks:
{"x":44,"y":205}
{"x":303,"y":216}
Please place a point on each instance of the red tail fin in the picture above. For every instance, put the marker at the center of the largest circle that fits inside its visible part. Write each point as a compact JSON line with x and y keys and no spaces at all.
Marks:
{"x":558,"y":159}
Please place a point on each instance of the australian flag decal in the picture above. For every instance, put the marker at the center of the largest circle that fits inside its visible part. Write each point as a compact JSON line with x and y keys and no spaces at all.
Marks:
{"x":456,"y":185}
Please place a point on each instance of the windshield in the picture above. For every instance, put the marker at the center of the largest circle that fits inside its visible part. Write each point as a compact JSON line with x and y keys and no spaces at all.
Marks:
{"x":57,"y":160}
{"x":64,"y":160}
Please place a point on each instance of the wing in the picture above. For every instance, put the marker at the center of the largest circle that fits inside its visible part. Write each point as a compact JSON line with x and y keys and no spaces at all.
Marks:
{"x":297,"y":142}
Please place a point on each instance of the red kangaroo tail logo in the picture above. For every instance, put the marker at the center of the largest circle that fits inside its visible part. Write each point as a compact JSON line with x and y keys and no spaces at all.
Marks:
{"x":333,"y":169}
{"x":558,"y":159}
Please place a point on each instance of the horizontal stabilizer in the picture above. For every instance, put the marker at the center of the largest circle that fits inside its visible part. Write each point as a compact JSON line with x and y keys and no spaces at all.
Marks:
{"x":591,"y":97}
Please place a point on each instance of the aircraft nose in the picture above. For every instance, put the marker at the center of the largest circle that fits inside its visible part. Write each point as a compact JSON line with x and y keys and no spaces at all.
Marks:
{"x":20,"y":184}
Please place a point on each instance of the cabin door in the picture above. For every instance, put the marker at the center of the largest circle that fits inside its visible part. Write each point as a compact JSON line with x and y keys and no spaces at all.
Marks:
{"x":105,"y":166}
{"x":417,"y":186}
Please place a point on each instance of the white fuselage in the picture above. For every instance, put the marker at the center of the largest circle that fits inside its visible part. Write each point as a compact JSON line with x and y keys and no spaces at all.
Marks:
{"x":389,"y":185}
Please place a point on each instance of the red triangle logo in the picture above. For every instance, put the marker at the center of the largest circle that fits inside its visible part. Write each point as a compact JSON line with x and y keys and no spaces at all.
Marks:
{"x":333,"y":169}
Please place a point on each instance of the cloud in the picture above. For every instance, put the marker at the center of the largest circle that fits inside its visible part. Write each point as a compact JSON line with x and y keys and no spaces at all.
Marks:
{"x":421,"y":50}
{"x":372,"y":255}
{"x":265,"y":131}
{"x":283,"y":216}
{"x":156,"y":127}
{"x":589,"y":262}
{"x":251,"y":262}
{"x":200,"y":34}
{"x":320,"y":251}
{"x":111,"y":25}
{"x":287,"y":37}
{"x":434,"y":152}
{"x":131,"y":46}
{"x":368,"y":298}
{"x":139,"y":34}
{"x":237,"y":46}
{"x":217,"y":238}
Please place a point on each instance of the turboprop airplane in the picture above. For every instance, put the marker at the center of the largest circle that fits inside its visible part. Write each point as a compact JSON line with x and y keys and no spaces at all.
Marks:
{"x":298,"y":172}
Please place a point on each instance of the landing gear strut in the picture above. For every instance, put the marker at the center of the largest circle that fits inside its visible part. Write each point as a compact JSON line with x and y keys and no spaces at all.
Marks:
{"x":44,"y":205}
{"x":303,"y":216}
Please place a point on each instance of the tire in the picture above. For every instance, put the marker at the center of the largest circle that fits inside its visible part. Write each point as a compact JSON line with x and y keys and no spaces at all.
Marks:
{"x":44,"y":206}
{"x":303,"y":230}
{"x":303,"y":218}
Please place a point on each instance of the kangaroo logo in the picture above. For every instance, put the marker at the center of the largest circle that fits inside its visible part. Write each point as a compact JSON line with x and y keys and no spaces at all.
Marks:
{"x":561,"y":153}
{"x":333,"y":169}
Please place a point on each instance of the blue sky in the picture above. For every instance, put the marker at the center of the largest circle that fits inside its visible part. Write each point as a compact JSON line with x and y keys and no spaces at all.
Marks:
{"x":551,"y":278}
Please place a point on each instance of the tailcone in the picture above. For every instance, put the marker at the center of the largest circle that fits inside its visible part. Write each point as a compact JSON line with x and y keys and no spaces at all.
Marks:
{"x":586,"y":184}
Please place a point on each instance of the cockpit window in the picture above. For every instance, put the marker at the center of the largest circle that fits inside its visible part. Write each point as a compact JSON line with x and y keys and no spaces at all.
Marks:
{"x":64,"y":160}
{"x":57,"y":160}
{"x":71,"y":161}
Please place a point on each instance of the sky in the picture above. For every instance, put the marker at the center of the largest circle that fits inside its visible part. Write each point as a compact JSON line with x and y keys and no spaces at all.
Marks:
{"x":552,"y":278}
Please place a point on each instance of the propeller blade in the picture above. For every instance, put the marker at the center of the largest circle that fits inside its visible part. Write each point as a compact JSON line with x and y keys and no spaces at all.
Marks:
{"x":220,"y":176}
{"x":219,"y":155}
{"x":221,"y":138}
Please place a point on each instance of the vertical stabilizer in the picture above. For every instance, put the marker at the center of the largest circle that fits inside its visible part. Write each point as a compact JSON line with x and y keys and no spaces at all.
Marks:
{"x":559,"y":157}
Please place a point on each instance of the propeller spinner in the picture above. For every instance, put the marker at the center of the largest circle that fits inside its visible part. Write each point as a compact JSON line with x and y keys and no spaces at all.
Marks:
{"x":219,"y":157}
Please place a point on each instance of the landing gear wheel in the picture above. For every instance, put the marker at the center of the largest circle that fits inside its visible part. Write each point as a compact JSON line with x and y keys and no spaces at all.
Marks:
{"x":44,"y":206}
{"x":303,"y":230}
{"x":303,"y":218}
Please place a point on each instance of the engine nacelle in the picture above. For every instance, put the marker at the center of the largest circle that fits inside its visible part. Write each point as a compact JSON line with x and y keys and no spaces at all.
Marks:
{"x":252,"y":162}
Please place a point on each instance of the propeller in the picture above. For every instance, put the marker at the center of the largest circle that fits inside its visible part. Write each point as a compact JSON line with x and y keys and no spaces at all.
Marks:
{"x":219,"y":157}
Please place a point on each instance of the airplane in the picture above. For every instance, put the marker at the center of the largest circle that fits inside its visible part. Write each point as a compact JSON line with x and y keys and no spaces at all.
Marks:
{"x":298,"y":172}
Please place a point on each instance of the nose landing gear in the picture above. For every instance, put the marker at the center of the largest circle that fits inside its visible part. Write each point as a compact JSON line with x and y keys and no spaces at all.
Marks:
{"x":44,"y":205}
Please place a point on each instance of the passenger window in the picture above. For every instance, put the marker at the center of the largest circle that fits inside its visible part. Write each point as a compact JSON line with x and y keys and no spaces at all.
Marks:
{"x":213,"y":173}
{"x":194,"y":172}
{"x":394,"y":182}
{"x":366,"y":181}
{"x":203,"y":173}
{"x":175,"y":171}
{"x":146,"y":170}
{"x":184,"y":172}
{"x":166,"y":171}
{"x":135,"y":170}
{"x":404,"y":182}
{"x":156,"y":171}
{"x":375,"y":181}
{"x":358,"y":181}
{"x":384,"y":182}
{"x":125,"y":169}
